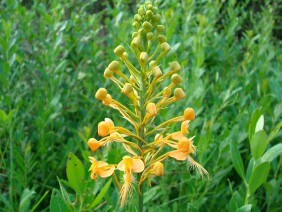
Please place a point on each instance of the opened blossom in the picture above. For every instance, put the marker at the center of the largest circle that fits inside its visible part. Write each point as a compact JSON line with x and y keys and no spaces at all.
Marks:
{"x":100,"y":168}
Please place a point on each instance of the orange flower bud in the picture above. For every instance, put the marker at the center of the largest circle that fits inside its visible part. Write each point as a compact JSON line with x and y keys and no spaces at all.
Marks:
{"x":108,"y":73}
{"x":158,"y":168}
{"x":101,"y":94}
{"x":151,"y":109}
{"x":105,"y":127}
{"x":93,"y":144}
{"x":189,"y":114}
{"x":114,"y":66}
{"x":119,"y":50}
{"x":179,"y":93}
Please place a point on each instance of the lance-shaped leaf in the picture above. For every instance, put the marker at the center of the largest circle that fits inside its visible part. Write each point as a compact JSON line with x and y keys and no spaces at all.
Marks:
{"x":258,"y":144}
{"x":258,"y":176}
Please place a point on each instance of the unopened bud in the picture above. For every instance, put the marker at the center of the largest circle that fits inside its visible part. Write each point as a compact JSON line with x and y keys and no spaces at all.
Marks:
{"x":157,"y":17}
{"x":147,"y":26}
{"x":141,"y":11}
{"x":179,"y":93}
{"x":143,"y":56}
{"x":160,"y":28}
{"x":150,"y":35}
{"x":176,"y":79}
{"x":101,"y":94}
{"x":189,"y":114}
{"x":134,"y":34}
{"x":151,"y":109}
{"x":149,"y":6}
{"x":93,"y":144}
{"x":162,"y":38}
{"x":108,"y":73}
{"x":157,"y":72}
{"x":174,"y":66}
{"x":103,"y":129}
{"x":127,"y":89}
{"x":165,"y":47}
{"x":138,"y":18}
{"x":119,"y":50}
{"x":135,"y":24}
{"x":136,"y":41}
{"x":158,"y":168}
{"x":114,"y":66}
{"x":149,"y":14}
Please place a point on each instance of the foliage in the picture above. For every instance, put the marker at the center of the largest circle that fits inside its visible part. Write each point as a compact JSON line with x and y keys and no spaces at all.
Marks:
{"x":52,"y":58}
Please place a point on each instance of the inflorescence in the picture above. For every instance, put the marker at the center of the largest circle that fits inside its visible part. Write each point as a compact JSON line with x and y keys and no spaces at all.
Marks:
{"x":149,"y":143}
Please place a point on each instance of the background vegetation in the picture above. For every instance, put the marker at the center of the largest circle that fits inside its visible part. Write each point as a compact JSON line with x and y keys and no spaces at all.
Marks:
{"x":52,"y":58}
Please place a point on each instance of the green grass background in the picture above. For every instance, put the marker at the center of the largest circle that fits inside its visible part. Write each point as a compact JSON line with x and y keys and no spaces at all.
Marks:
{"x":52,"y":58}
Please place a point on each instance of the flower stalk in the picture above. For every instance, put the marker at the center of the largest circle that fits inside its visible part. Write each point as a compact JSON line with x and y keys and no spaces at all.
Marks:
{"x":146,"y":90}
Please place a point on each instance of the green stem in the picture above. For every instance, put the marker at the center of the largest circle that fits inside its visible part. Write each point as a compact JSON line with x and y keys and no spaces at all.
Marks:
{"x":142,"y":128}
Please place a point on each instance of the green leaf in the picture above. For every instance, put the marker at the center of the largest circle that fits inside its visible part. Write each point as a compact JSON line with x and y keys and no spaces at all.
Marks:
{"x":236,"y":202}
{"x":75,"y":173}
{"x":258,"y":144}
{"x":101,"y":194}
{"x":25,"y":199}
{"x":236,"y":159}
{"x":253,"y":122}
{"x":64,"y":193}
{"x":275,"y":131}
{"x":260,"y":123}
{"x":3,"y":116}
{"x":245,"y":208}
{"x":259,"y":176}
{"x":250,"y":169}
{"x":57,"y":203}
{"x":272,"y":153}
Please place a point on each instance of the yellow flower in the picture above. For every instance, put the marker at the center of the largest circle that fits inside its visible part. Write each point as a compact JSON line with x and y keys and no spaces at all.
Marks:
{"x":129,"y":165}
{"x":94,"y":144}
{"x":100,"y":168}
{"x":184,"y":130}
{"x":106,"y":127}
{"x":184,"y":148}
